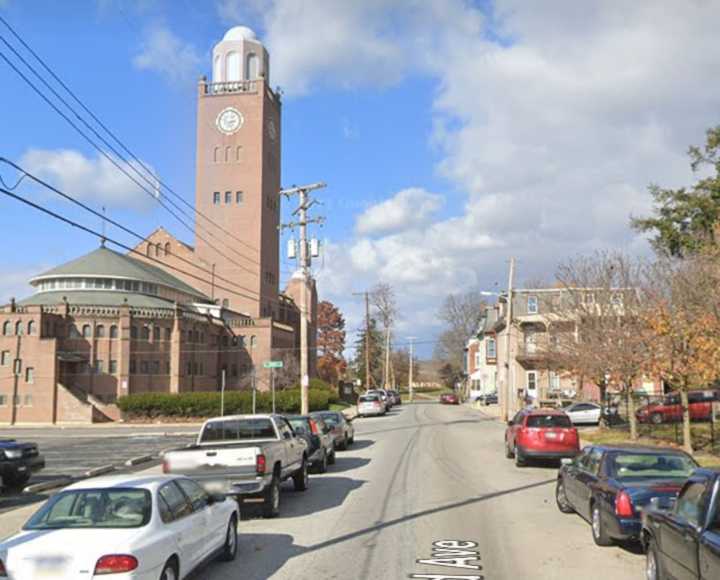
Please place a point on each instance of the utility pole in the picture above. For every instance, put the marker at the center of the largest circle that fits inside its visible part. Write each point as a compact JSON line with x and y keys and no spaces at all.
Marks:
{"x":367,"y":336}
{"x":508,"y":390}
{"x":412,"y":360}
{"x":305,"y":260}
{"x":222,"y":394}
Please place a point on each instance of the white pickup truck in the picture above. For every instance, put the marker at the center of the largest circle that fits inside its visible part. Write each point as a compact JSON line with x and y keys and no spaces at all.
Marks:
{"x":246,"y":456}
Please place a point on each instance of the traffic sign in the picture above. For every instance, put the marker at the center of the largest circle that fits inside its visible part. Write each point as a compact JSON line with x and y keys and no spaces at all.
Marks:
{"x":273,"y":364}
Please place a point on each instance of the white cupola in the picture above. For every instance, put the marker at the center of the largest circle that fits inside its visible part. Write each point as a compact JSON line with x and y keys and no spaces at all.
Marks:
{"x":240,"y":56}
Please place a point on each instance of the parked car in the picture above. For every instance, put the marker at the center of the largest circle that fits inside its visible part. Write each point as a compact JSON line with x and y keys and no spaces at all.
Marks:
{"x":610,"y":486}
{"x":319,"y":437}
{"x":449,"y":399}
{"x":383,"y":394}
{"x":140,"y":527}
{"x":395,"y":396}
{"x":246,"y":456}
{"x":490,"y":399}
{"x":584,"y":413}
{"x":342,"y":428}
{"x":669,"y":410}
{"x":18,"y":461}
{"x":682,"y":538}
{"x":371,"y":405}
{"x":540,"y":434}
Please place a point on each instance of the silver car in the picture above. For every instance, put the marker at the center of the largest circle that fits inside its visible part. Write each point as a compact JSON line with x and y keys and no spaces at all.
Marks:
{"x":371,"y":405}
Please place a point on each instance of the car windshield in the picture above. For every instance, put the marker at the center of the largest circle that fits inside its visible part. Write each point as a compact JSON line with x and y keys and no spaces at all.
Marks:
{"x":638,"y":466}
{"x":238,"y":430}
{"x":299,"y":425}
{"x":368,"y":398}
{"x":94,"y":508}
{"x":330,"y":418}
{"x":548,"y":421}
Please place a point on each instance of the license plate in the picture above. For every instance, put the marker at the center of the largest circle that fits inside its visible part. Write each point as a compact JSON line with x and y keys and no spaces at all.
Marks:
{"x":22,"y":468}
{"x":551,"y":435}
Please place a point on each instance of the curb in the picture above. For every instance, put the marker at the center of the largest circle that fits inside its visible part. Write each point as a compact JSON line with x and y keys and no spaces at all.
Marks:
{"x":99,"y":471}
{"x":46,"y":485}
{"x":138,"y":460}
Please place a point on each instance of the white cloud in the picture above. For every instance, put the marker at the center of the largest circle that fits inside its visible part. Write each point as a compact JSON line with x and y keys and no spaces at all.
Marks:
{"x":163,"y":52}
{"x":88,"y":179}
{"x":14,"y":284}
{"x":407,"y":209}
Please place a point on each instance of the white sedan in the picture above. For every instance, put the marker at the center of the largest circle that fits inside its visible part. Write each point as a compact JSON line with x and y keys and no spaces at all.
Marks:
{"x":131,"y":528}
{"x":584,"y":413}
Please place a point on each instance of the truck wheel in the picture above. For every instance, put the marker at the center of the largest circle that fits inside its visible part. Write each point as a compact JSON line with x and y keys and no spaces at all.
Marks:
{"x":16,"y":480}
{"x":271,"y":506}
{"x":656,"y":418}
{"x":653,"y":567}
{"x":598,"y":529}
{"x":301,"y":480}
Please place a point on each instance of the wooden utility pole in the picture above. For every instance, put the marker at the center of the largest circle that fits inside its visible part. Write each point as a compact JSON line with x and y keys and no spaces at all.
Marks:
{"x":508,"y":397}
{"x":412,"y":361}
{"x":367,"y":336}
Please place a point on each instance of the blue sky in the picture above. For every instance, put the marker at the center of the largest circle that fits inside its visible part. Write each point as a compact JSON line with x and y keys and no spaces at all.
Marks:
{"x":452,"y":134}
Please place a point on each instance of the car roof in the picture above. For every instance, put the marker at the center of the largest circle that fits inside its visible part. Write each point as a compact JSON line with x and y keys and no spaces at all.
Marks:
{"x":544,"y":411}
{"x":149,"y":482}
{"x":235,"y":417}
{"x":639,"y":448}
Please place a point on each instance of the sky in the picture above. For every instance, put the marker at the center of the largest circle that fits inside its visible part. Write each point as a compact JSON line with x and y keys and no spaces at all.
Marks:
{"x":452,"y":134}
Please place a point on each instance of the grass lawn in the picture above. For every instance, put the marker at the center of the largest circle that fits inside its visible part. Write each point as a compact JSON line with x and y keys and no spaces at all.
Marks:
{"x":339,"y":406}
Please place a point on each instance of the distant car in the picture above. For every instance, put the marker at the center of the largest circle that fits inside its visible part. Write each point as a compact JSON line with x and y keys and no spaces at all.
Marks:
{"x":490,"y":399}
{"x":540,"y":434}
{"x":370,"y":405}
{"x":342,"y":429}
{"x":669,"y":410}
{"x":610,"y":486}
{"x":18,"y":461}
{"x":141,"y":527}
{"x":321,"y":443}
{"x":449,"y":399}
{"x":396,"y":400}
{"x":584,"y":413}
{"x":383,"y":394}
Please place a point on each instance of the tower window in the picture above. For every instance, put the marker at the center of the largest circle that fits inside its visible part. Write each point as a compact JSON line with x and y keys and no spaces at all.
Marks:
{"x":228,"y":197}
{"x":238,"y":153}
{"x":239,"y":197}
{"x":232,"y":67}
{"x":216,"y":197}
{"x":216,"y":155}
{"x":253,"y":66}
{"x":167,"y":248}
{"x":227,"y":154}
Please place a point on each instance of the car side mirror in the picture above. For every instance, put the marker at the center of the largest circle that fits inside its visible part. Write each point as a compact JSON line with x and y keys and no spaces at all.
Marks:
{"x":216,"y":498}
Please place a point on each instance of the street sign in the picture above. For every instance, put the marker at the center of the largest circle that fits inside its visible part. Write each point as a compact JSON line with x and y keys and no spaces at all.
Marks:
{"x":273,"y":364}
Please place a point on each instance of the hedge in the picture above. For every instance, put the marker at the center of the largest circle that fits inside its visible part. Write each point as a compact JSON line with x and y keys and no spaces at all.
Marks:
{"x":207,"y":404}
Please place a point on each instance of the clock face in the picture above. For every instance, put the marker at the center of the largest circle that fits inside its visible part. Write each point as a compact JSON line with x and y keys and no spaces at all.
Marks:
{"x":229,"y":121}
{"x":272,"y":130}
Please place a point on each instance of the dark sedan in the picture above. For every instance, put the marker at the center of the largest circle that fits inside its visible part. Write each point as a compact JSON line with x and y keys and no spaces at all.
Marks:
{"x":340,"y":428}
{"x":321,"y":444}
{"x":609,"y":486}
{"x":18,"y":461}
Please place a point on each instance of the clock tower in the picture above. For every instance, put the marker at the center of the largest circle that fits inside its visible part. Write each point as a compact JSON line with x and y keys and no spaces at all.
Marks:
{"x":238,"y":176}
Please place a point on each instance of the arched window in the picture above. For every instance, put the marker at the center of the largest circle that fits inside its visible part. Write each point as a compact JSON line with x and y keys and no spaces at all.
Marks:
{"x":31,"y":327}
{"x":6,"y":328}
{"x":86,"y":331}
{"x":216,"y":155}
{"x":146,"y":333}
{"x":252,"y":70}
{"x":99,"y":331}
{"x":227,"y":154}
{"x":113,"y":331}
{"x":238,"y":153}
{"x":158,"y":250}
{"x":217,"y":78}
{"x":167,"y":248}
{"x":73,"y":331}
{"x":148,"y":249}
{"x":19,"y":330}
{"x":253,"y":341}
{"x":232,"y":67}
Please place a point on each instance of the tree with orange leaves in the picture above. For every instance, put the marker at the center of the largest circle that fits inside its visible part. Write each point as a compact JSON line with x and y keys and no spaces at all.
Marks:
{"x":331,"y":363}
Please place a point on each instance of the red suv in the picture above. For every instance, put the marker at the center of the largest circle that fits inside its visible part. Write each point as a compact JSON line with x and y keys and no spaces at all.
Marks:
{"x":540,"y":434}
{"x":449,"y":399}
{"x":670,"y":410}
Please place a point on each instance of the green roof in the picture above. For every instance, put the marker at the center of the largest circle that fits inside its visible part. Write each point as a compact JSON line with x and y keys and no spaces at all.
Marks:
{"x":109,"y":263}
{"x":96,"y":298}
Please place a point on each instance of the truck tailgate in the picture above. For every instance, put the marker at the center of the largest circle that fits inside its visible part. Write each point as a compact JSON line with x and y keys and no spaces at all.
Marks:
{"x":217,"y":462}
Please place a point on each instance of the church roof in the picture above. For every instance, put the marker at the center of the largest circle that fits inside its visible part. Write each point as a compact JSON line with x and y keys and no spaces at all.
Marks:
{"x":105,"y":262}
{"x":95,"y":298}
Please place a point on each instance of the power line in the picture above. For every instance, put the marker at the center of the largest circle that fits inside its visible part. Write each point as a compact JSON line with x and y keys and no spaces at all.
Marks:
{"x":107,"y":130}
{"x":120,"y":156}
{"x":119,"y":244}
{"x":103,"y":217}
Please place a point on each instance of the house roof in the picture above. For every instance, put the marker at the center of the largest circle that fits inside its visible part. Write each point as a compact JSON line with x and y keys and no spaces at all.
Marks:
{"x":96,"y":298}
{"x":108,"y":263}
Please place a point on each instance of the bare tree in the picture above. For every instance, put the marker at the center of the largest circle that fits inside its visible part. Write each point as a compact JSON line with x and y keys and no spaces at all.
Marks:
{"x":383,"y":299}
{"x":461,"y":314}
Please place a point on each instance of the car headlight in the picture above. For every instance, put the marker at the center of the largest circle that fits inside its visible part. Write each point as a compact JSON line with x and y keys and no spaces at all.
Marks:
{"x":13,"y":453}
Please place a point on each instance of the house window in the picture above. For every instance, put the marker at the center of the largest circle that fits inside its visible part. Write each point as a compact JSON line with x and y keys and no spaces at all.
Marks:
{"x":167,"y":367}
{"x":189,"y":368}
{"x":31,"y":327}
{"x":225,"y":303}
{"x":3,"y":400}
{"x":133,"y":366}
{"x":155,"y":367}
{"x":112,"y":368}
{"x":253,"y":341}
{"x":146,"y":333}
{"x":216,"y":197}
{"x":28,"y":401}
{"x":234,"y":370}
{"x":228,"y":197}
{"x":239,"y":197}
{"x":491,"y":348}
{"x":156,"y":333}
{"x":5,"y":358}
{"x":99,"y":365}
{"x":531,"y":383}
{"x":17,"y":366}
{"x":168,"y":333}
{"x":478,"y":357}
{"x":100,"y":331}
{"x":554,"y":381}
{"x":133,"y":332}
{"x":143,"y":367}
{"x":86,"y":331}
{"x":113,"y":331}
{"x":19,"y":330}
{"x":29,"y":375}
{"x":532,"y":305}
{"x":6,"y":328}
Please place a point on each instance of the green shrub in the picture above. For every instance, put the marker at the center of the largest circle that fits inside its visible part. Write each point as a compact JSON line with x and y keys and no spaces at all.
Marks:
{"x":204,"y":404}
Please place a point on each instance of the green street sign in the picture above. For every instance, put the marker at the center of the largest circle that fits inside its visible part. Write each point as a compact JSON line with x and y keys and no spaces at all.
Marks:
{"x":273,"y":364}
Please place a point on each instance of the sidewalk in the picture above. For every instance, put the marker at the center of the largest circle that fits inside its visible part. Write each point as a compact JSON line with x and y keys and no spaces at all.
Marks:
{"x":489,"y":410}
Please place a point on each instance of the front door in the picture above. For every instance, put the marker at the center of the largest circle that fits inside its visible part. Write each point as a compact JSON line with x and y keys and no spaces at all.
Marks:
{"x":680,"y":532}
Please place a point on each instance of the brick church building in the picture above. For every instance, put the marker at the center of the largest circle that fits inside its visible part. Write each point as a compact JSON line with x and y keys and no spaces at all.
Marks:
{"x":109,"y":324}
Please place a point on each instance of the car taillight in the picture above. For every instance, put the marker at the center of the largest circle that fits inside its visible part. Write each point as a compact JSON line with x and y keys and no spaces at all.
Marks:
{"x":313,"y":427}
{"x":165,"y":466}
{"x":623,"y":505}
{"x":3,"y":572}
{"x":116,"y":564}
{"x":260,"y":464}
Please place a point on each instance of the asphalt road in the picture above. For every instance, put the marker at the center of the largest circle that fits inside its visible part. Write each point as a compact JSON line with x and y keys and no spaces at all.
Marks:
{"x":423,"y":474}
